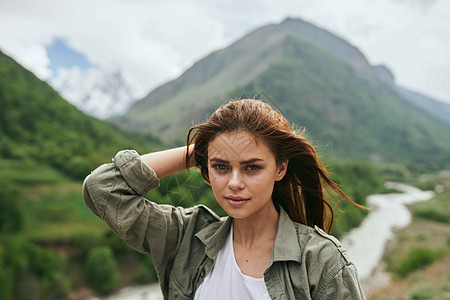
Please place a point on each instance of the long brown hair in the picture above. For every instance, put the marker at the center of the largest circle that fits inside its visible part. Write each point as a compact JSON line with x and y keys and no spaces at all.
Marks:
{"x":300,"y":192}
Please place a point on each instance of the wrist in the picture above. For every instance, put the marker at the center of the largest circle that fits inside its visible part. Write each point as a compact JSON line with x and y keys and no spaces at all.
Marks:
{"x":191,"y":163}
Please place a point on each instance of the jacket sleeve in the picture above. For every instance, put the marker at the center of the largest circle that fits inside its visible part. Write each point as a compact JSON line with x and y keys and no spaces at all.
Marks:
{"x":114,"y":192}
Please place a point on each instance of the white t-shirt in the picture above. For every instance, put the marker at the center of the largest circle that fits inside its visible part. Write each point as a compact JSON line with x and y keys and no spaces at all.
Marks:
{"x":226,"y":281}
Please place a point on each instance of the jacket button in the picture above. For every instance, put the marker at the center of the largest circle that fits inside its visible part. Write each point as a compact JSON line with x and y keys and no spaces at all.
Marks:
{"x":202,"y":273}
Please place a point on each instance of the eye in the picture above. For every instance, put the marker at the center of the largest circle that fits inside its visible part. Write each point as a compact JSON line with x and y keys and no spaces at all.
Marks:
{"x":252,"y":168}
{"x":220,"y":167}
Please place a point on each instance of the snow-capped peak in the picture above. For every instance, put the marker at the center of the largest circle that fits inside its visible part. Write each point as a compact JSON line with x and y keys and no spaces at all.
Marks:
{"x":100,"y":93}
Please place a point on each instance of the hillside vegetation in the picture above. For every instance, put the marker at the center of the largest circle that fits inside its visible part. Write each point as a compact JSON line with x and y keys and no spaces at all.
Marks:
{"x":47,"y":146}
{"x":37,"y":124}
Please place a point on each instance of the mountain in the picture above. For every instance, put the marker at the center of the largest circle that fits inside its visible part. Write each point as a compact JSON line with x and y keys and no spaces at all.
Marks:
{"x":435,"y":108}
{"x":99,"y":93}
{"x":36,"y":123}
{"x":353,"y":56}
{"x":351,"y":110}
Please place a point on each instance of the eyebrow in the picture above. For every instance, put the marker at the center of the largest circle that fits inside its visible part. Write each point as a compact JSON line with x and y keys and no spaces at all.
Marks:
{"x":242,"y":162}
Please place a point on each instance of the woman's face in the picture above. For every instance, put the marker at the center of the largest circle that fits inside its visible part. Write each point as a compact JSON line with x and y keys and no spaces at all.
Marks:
{"x":242,"y":173}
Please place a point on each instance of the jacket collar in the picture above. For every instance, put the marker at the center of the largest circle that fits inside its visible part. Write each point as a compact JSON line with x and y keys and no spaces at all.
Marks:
{"x":286,"y":246}
{"x":214,"y":235}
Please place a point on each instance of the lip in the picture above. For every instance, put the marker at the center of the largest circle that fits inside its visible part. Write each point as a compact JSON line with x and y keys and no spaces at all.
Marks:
{"x":236,"y":198}
{"x":235,"y":201}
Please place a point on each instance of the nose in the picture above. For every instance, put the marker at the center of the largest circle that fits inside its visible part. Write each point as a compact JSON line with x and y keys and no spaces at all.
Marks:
{"x":236,"y":181}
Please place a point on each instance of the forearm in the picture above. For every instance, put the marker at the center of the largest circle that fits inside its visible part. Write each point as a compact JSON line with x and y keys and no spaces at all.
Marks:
{"x":115,"y":192}
{"x":168,"y":161}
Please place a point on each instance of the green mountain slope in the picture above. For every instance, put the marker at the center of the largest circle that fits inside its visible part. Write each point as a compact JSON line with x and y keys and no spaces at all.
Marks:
{"x":437,"y":109}
{"x":327,"y":41}
{"x":354,"y":57}
{"x":204,"y":85}
{"x":37,"y":124}
{"x":350,"y":111}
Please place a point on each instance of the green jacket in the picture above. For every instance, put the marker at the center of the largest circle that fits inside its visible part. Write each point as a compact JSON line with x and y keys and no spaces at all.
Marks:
{"x":306,"y":263}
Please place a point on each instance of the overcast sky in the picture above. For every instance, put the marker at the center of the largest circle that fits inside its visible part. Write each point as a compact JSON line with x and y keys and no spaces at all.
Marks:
{"x":155,"y":40}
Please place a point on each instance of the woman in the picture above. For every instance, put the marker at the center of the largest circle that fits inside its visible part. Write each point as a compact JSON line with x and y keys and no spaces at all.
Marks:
{"x":269,"y":181}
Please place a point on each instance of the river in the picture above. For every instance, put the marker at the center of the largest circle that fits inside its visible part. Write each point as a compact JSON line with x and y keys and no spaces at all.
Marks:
{"x":365,"y":244}
{"x":388,"y":213}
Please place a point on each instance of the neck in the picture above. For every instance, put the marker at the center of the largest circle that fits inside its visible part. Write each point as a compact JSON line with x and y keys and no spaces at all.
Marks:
{"x":259,"y":228}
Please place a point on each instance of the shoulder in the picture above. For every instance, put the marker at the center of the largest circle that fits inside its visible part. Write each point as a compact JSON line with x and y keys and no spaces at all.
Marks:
{"x":329,"y":271}
{"x":321,"y":247}
{"x":200,"y":212}
{"x":196,"y":217}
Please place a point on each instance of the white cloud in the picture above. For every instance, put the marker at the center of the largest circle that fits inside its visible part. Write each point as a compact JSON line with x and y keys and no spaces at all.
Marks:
{"x":153,"y":41}
{"x":31,"y":56}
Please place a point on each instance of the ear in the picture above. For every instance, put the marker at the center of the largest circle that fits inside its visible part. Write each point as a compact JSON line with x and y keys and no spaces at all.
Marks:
{"x":282,"y":169}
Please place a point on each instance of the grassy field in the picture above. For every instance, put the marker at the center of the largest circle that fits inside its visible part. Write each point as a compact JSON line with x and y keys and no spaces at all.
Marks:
{"x":431,"y":282}
{"x":58,"y":213}
{"x":28,"y":172}
{"x":419,"y":259}
{"x":53,"y":204}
